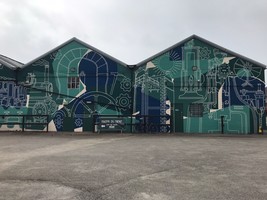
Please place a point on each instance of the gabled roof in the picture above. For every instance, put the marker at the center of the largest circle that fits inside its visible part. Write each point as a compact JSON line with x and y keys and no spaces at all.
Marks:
{"x":74,"y":39}
{"x":13,"y":64}
{"x":10,"y":63}
{"x":207,"y":42}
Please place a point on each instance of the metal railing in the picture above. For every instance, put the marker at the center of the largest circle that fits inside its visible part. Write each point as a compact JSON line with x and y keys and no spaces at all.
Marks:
{"x":24,"y":121}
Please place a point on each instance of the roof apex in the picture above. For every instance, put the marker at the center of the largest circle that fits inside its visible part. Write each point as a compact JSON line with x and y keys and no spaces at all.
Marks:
{"x":205,"y":41}
{"x":78,"y":41}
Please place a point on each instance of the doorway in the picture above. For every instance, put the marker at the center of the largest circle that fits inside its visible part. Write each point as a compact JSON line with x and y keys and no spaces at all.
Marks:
{"x":178,"y":122}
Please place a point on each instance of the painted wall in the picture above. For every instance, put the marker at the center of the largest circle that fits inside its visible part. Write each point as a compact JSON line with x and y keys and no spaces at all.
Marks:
{"x":96,"y":79}
{"x":13,"y":97}
{"x":74,"y":83}
{"x":198,"y":73}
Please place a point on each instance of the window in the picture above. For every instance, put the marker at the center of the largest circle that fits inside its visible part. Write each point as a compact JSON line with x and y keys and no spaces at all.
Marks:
{"x":196,"y":109}
{"x":73,"y":82}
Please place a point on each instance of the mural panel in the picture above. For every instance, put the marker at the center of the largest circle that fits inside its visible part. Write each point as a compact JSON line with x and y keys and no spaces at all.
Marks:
{"x":198,"y":74}
{"x":72,"y":85}
{"x":193,"y":87}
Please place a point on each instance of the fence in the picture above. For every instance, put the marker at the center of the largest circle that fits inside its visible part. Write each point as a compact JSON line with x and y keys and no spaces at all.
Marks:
{"x":24,"y":121}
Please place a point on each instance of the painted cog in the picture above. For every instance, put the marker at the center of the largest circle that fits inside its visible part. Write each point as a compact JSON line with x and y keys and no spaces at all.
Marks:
{"x":51,"y":106}
{"x":123,"y":100}
{"x":39,"y":109}
{"x":204,"y":53}
{"x":126,"y":85}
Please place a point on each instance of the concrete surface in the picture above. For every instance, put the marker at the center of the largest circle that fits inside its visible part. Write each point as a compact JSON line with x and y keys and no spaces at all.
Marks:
{"x":126,"y":167}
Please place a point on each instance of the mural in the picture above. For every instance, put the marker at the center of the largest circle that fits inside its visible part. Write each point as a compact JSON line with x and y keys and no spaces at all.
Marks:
{"x":193,"y":87}
{"x":69,"y":85}
{"x":206,"y":87}
{"x":104,"y":89}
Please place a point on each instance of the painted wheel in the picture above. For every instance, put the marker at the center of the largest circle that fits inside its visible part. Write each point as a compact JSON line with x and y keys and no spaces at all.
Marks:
{"x":245,"y":69}
{"x":39,"y":109}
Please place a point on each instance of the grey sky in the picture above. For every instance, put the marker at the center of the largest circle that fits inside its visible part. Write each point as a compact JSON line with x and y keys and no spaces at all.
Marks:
{"x":131,"y":30}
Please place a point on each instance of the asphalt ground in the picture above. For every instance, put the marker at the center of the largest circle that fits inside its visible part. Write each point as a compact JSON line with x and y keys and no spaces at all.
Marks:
{"x":126,"y":167}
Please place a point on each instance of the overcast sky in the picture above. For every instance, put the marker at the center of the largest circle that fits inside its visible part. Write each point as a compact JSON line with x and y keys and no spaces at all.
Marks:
{"x":131,"y":30}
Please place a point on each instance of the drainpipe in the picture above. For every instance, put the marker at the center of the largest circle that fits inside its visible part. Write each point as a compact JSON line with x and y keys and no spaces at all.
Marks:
{"x":132,"y":67}
{"x":222,"y":124}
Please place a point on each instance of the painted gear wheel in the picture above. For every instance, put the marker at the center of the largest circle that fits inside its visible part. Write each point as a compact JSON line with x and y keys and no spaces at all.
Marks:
{"x":126,"y":85}
{"x":123,"y":100}
{"x":39,"y":109}
{"x":51,"y":106}
{"x":204,"y":53}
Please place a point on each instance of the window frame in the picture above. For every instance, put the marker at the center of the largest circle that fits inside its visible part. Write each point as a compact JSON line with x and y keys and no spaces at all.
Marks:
{"x":73,"y":82}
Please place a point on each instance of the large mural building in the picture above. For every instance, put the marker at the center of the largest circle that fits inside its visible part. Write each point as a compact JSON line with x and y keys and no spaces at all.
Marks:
{"x":194,"y":86}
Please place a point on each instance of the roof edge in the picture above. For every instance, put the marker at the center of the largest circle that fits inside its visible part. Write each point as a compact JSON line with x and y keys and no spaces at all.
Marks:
{"x":4,"y":60}
{"x":79,"y":41}
{"x":230,"y":52}
{"x":8,"y":65}
{"x":144,"y":61}
{"x":165,"y":50}
{"x":205,"y":41}
{"x":47,"y":53}
{"x":99,"y":51}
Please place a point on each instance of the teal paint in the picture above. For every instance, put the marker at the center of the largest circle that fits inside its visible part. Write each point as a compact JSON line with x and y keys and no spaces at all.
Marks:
{"x":194,"y":71}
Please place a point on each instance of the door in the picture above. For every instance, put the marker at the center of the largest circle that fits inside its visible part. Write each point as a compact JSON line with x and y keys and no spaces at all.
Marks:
{"x":178,"y":122}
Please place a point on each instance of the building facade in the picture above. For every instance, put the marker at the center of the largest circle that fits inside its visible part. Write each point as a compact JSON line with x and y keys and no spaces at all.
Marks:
{"x":194,"y":86}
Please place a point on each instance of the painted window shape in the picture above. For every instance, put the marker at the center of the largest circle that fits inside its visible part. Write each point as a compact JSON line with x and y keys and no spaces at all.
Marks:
{"x":196,"y":110}
{"x":73,"y":82}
